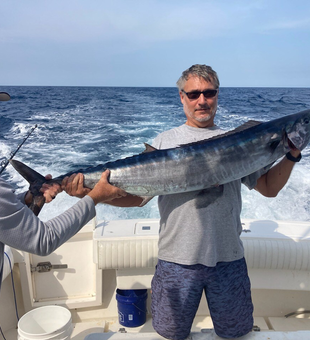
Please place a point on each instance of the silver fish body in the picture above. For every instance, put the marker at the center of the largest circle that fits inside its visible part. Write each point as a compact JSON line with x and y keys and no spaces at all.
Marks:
{"x":196,"y":166}
{"x":208,"y":163}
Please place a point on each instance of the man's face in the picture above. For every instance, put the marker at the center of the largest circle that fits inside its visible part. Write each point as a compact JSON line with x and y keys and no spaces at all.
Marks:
{"x":199,"y":112}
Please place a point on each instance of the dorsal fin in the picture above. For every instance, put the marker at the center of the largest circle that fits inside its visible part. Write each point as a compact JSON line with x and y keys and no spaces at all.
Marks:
{"x":149,"y":148}
{"x":29,"y":174}
{"x":245,"y":126}
{"x":240,"y":128}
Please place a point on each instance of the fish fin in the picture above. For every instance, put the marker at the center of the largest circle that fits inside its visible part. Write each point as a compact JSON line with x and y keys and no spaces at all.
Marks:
{"x":249,"y":124}
{"x":245,"y":126}
{"x":149,"y":148}
{"x":146,"y":199}
{"x":35,"y":180}
{"x":29,"y":174}
{"x":37,"y":204}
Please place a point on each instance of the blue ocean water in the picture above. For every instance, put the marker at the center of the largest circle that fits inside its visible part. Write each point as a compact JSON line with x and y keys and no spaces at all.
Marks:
{"x":85,"y":126}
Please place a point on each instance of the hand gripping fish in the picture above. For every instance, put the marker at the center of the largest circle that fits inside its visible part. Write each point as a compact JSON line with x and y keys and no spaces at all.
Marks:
{"x":195,"y":166}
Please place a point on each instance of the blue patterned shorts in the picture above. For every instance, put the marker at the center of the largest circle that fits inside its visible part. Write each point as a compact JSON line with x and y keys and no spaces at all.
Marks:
{"x":177,"y":291}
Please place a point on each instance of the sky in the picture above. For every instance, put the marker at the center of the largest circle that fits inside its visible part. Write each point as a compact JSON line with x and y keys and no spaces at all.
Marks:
{"x":250,"y":43}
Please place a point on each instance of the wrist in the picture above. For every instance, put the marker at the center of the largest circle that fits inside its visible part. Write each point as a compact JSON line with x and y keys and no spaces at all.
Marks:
{"x":93,"y":197}
{"x":292,"y":158}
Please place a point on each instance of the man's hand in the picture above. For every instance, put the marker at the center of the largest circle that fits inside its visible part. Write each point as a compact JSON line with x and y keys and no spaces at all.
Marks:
{"x":103,"y":191}
{"x":49,"y":191}
{"x":74,"y":185}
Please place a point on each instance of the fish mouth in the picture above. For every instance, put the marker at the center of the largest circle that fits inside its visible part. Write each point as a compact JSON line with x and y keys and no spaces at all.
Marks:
{"x":291,"y":144}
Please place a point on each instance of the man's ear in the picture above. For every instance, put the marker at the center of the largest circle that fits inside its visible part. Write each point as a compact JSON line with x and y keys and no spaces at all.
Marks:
{"x":181,"y":96}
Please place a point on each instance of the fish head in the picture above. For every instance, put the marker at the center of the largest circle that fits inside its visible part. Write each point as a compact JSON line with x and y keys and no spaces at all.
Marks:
{"x":298,"y":130}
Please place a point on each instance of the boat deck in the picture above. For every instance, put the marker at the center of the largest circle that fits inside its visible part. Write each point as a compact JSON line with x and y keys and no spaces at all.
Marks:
{"x":272,"y":328}
{"x":277,"y":254}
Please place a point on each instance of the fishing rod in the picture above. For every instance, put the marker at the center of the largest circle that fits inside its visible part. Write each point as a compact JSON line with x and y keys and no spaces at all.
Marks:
{"x":4,"y":164}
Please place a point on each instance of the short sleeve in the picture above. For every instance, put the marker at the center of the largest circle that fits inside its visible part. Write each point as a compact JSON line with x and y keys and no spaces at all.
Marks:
{"x":251,"y":180}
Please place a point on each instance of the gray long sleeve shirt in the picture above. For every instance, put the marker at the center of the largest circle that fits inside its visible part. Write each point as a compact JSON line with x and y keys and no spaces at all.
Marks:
{"x":21,"y":229}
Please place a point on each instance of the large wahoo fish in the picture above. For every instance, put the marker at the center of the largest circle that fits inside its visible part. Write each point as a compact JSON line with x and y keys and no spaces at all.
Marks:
{"x":196,"y":166}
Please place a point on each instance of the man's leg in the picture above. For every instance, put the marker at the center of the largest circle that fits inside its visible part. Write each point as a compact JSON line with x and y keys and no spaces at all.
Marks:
{"x":176,"y":293}
{"x":229,"y":297}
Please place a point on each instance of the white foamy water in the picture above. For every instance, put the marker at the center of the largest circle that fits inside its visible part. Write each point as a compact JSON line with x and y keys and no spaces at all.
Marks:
{"x":81,"y":127}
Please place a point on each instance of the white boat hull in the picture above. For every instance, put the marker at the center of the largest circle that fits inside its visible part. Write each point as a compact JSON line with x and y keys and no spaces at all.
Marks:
{"x":123,"y":254}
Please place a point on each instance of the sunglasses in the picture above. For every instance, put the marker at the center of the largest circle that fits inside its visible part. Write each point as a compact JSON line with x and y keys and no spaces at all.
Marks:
{"x":196,"y":94}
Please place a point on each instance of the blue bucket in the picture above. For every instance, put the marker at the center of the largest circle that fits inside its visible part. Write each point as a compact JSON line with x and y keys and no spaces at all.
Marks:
{"x":131,"y":307}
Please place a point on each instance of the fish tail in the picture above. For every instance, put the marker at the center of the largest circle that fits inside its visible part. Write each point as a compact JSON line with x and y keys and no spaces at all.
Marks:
{"x":35,"y":180}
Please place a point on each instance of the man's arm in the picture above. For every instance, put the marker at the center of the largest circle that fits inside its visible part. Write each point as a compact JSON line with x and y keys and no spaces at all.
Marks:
{"x":273,"y":181}
{"x":127,"y":202}
{"x":74,"y":186}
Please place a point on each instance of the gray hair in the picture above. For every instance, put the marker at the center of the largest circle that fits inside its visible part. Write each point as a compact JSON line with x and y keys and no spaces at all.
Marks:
{"x":201,"y":71}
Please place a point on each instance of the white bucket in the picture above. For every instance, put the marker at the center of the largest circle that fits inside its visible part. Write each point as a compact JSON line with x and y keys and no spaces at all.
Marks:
{"x":44,"y":323}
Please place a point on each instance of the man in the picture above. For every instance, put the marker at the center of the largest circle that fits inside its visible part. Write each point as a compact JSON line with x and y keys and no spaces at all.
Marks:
{"x":199,"y":245}
{"x":21,"y":229}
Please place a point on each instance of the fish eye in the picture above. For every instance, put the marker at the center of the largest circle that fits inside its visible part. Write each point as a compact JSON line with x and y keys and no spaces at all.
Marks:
{"x":306,"y":121}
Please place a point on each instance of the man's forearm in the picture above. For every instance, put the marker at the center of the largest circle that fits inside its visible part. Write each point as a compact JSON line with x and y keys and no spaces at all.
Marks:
{"x":126,"y":202}
{"x":275,"y":179}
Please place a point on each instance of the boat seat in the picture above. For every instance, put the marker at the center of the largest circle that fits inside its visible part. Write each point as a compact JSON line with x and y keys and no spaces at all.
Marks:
{"x":268,"y":244}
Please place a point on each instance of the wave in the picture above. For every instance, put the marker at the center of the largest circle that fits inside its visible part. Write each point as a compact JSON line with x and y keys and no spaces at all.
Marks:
{"x":80,"y":127}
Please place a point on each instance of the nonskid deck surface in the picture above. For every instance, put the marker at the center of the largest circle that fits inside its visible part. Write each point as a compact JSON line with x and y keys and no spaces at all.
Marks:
{"x":265,"y":335}
{"x":280,"y":328}
{"x":283,"y":329}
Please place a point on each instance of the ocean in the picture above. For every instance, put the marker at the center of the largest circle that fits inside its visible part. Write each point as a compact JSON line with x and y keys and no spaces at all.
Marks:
{"x":86,"y":126}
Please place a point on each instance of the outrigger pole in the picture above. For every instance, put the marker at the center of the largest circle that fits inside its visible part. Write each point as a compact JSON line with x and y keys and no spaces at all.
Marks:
{"x":5,"y":163}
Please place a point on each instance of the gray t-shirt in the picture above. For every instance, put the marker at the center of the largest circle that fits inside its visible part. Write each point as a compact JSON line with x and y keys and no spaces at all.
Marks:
{"x":21,"y":229}
{"x":200,"y":227}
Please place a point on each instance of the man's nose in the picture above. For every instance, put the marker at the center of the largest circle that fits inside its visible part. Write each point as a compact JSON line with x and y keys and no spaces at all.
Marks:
{"x":202,"y":99}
